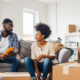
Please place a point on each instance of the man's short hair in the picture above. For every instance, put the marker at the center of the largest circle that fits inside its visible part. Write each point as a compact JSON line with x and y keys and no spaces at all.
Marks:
{"x":6,"y":21}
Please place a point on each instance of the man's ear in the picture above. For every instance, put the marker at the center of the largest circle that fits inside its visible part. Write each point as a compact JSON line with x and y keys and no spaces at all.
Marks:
{"x":4,"y":26}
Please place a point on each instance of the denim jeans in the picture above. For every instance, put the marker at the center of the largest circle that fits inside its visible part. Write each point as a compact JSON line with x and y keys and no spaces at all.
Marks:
{"x":14,"y":61}
{"x":45,"y":67}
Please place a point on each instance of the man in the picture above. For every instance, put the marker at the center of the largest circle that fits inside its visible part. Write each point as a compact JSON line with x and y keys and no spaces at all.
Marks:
{"x":9,"y":39}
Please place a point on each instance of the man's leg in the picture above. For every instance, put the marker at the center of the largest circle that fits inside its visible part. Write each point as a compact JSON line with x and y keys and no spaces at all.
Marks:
{"x":14,"y":61}
{"x":47,"y":67}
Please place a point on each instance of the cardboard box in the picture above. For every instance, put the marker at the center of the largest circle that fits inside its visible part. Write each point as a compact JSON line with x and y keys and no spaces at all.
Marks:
{"x":2,"y":75}
{"x":78,"y":54}
{"x":71,"y":28}
{"x":15,"y":76}
{"x":66,"y":71}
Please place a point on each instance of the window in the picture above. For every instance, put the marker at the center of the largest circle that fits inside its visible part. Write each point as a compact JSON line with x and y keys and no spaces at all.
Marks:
{"x":28,"y":25}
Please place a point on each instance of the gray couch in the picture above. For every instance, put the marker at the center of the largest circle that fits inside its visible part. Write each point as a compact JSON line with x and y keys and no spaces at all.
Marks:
{"x":25,"y":51}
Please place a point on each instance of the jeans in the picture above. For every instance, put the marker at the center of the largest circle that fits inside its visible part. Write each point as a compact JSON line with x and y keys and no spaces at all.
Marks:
{"x":14,"y":61}
{"x":45,"y":67}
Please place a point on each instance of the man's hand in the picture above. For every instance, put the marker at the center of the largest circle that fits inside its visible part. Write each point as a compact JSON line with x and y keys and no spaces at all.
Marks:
{"x":13,"y":53}
{"x":40,"y":57}
{"x":3,"y":57}
{"x":1,"y":53}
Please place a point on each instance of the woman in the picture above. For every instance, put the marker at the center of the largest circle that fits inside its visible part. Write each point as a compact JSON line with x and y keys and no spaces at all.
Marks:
{"x":42,"y":53}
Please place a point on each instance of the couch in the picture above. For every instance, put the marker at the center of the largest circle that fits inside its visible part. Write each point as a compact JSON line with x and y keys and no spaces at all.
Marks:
{"x":25,"y":51}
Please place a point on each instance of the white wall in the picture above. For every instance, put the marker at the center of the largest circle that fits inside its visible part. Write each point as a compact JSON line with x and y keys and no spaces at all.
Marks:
{"x":51,"y":19}
{"x":14,"y":11}
{"x":68,"y":12}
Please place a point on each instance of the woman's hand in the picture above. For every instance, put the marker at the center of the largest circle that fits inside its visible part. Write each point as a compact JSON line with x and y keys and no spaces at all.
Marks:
{"x":38,"y":74}
{"x":36,"y":69}
{"x":40,"y":57}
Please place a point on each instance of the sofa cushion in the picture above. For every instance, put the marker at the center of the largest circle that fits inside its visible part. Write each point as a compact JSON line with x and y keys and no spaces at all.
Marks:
{"x":5,"y":69}
{"x":22,"y":65}
{"x":5,"y":65}
{"x":25,"y":48}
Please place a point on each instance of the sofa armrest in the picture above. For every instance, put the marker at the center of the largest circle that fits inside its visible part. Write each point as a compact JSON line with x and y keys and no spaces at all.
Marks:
{"x":64,"y":55}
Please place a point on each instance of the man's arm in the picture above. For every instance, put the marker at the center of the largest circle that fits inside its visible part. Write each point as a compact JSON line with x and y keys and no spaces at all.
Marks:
{"x":15,"y":51}
{"x":15,"y":42}
{"x":15,"y":45}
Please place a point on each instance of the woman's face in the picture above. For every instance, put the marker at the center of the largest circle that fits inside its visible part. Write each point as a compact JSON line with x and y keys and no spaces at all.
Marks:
{"x":39,"y":36}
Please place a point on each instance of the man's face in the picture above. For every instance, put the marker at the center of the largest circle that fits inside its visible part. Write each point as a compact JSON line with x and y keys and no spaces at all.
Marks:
{"x":8,"y":28}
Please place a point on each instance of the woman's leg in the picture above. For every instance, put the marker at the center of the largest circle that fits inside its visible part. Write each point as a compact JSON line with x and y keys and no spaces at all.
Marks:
{"x":29,"y":63}
{"x":47,"y":67}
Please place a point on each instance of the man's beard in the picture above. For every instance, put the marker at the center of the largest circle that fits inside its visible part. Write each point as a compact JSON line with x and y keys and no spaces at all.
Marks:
{"x":8,"y":32}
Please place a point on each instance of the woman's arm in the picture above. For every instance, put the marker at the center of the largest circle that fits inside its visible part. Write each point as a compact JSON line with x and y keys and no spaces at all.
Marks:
{"x":51,"y":54}
{"x":51,"y":57}
{"x":45,"y":56}
{"x":33,"y":56}
{"x":35,"y":62}
{"x":36,"y":68}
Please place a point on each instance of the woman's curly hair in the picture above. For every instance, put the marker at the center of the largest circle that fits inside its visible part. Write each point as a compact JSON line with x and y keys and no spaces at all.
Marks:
{"x":44,"y":29}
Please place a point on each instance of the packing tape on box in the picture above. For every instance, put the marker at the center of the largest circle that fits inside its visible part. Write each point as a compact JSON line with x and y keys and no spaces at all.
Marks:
{"x":66,"y":68}
{"x":1,"y":76}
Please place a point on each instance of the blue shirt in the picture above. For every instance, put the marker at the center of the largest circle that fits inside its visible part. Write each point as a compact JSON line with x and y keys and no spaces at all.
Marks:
{"x":13,"y":40}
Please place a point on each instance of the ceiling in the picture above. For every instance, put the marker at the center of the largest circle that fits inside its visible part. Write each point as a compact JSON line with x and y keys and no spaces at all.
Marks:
{"x":49,"y":1}
{"x":46,"y":1}
{"x":6,"y":0}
